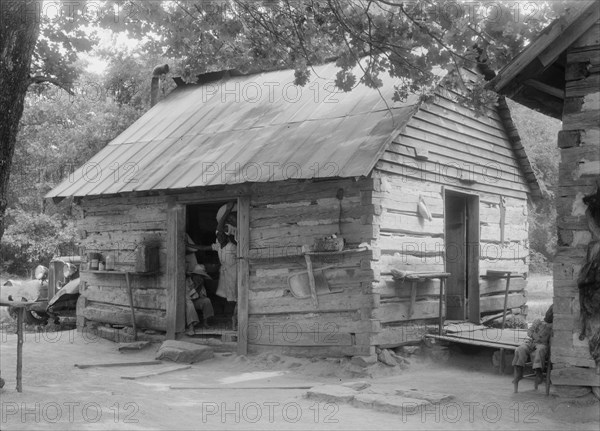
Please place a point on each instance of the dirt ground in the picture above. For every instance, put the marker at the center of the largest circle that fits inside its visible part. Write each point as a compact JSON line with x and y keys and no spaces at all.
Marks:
{"x":57,"y":395}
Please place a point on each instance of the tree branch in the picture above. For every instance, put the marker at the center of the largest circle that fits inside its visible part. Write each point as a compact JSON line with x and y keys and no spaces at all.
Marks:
{"x":39,"y":79}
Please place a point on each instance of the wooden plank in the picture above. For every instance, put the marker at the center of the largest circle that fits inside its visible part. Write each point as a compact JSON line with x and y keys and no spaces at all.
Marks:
{"x":590,"y":38}
{"x":473,"y":342}
{"x":574,"y":356}
{"x":158,"y":373}
{"x":581,"y":120}
{"x":243,"y":274}
{"x":116,"y":280}
{"x":300,"y":192}
{"x":398,"y":311}
{"x":20,"y":320}
{"x":352,"y":300}
{"x":575,"y":376}
{"x":405,"y":200}
{"x":353,"y":232}
{"x":394,"y":336}
{"x":387,"y":287}
{"x":473,"y":258}
{"x":452,"y":125}
{"x":582,"y":87}
{"x":490,"y":304}
{"x":411,"y":244}
{"x":447,"y":170}
{"x":415,"y":173}
{"x":120,"y":315}
{"x":409,"y":263}
{"x":175,"y":299}
{"x":118,"y":364}
{"x":326,"y":324}
{"x":292,"y":335}
{"x":494,"y":286}
{"x":410,"y":224}
{"x":142,"y":298}
{"x":314,"y":351}
{"x":491,"y":251}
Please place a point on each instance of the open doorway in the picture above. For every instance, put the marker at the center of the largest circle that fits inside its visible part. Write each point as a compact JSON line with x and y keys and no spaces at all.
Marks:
{"x":220,"y":278}
{"x":461,"y":224}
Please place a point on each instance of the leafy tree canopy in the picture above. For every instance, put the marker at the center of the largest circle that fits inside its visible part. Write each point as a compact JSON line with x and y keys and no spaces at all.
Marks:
{"x":409,"y":40}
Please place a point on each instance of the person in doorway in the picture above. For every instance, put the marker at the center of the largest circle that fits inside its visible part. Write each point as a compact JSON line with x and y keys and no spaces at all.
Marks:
{"x":536,"y":346}
{"x":196,"y":298}
{"x":226,"y":247}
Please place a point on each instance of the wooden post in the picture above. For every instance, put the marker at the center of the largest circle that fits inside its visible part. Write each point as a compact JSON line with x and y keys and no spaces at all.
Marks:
{"x":442,"y":300}
{"x":175,"y":270}
{"x":130,"y":293}
{"x":20,"y":313}
{"x":243,"y":273}
{"x":506,"y":298}
{"x":507,"y":274}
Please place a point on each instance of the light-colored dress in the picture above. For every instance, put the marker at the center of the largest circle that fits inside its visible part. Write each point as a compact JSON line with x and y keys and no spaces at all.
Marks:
{"x":228,"y":273}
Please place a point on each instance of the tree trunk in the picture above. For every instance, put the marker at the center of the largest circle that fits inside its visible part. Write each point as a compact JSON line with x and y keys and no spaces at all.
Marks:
{"x":19,"y":30}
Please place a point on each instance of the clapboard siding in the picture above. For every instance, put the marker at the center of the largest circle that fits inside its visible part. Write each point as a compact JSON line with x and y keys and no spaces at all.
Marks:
{"x":450,"y":136}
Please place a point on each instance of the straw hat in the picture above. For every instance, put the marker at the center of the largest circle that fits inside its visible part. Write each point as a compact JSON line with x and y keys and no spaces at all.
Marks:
{"x":222,"y":210}
{"x":199,"y":269}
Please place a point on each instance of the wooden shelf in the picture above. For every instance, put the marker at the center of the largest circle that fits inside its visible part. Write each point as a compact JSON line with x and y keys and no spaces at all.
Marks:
{"x":329,"y":253}
{"x":97,"y":271}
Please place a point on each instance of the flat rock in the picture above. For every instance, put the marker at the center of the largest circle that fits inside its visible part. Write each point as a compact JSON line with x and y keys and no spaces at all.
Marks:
{"x":432,"y":397}
{"x":402,"y":362}
{"x":364,"y":361}
{"x":331,"y":393}
{"x":136,"y":345}
{"x":387,"y":403}
{"x":357,"y":386}
{"x":407,"y":350}
{"x":184,"y":352}
{"x":386,"y":357}
{"x":565,"y":391}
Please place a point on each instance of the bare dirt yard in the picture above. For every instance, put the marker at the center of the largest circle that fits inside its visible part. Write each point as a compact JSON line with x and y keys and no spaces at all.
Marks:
{"x":58,"y":395}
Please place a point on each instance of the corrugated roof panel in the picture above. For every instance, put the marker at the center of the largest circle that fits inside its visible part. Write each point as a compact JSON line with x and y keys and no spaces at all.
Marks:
{"x":223,"y":133}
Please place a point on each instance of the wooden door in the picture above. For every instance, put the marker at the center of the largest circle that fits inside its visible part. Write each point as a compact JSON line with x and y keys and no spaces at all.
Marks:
{"x":461,"y":223}
{"x":455,"y":244}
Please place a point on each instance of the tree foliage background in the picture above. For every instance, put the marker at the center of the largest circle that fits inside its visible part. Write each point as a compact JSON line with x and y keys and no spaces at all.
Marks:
{"x":71,"y":113}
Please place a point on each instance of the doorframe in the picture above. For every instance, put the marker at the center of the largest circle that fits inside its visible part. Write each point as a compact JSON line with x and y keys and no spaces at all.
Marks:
{"x":472,"y":248}
{"x":176,"y":229}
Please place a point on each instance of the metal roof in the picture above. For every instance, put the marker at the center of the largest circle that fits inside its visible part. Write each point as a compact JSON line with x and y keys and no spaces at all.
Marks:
{"x":247,"y":129}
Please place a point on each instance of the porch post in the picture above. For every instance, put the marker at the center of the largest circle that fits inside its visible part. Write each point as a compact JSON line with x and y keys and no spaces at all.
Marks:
{"x":243,"y":272}
{"x":175,"y":270}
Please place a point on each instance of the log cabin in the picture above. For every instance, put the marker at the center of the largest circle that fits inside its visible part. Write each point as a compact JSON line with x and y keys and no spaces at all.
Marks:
{"x":409,"y":186}
{"x":559,"y":75}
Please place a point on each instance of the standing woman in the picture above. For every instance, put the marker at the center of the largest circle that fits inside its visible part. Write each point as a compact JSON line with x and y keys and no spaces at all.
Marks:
{"x":226,"y":247}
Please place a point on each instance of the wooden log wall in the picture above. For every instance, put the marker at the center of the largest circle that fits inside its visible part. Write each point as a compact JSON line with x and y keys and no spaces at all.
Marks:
{"x":579,"y":171}
{"x":118,"y":226}
{"x":441,"y":144}
{"x":283,"y":218}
